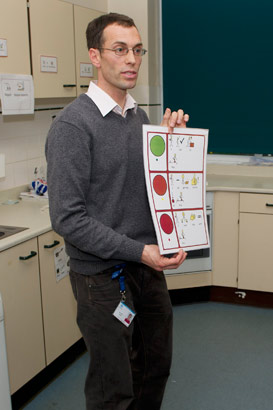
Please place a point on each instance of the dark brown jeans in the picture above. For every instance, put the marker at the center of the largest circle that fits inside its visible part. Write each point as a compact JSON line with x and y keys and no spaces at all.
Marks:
{"x":129,"y":367}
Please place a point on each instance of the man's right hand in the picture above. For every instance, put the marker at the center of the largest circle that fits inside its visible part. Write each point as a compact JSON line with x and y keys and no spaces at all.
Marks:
{"x":152,"y":258}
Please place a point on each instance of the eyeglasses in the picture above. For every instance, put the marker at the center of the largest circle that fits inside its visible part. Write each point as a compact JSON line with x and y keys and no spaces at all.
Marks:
{"x":122,"y":51}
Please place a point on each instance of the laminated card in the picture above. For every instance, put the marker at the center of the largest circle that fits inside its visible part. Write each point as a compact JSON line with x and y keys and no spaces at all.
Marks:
{"x":175,"y":172}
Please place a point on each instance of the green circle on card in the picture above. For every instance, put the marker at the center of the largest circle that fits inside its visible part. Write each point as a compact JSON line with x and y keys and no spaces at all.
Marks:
{"x":157,"y":145}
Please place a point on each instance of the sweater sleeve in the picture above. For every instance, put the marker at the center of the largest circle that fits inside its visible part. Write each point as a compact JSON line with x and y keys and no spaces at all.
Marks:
{"x":68,"y":176}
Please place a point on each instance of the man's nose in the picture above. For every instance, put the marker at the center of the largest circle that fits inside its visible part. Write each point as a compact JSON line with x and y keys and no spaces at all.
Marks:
{"x":130,"y":57}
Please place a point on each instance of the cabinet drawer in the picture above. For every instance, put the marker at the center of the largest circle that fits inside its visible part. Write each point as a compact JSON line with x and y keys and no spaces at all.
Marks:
{"x":256,"y":203}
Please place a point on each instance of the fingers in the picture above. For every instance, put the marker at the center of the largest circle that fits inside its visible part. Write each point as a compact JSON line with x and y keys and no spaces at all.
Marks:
{"x":174,"y":119}
{"x":175,"y":261}
{"x":166,"y":117}
{"x":178,"y":119}
{"x":152,"y":258}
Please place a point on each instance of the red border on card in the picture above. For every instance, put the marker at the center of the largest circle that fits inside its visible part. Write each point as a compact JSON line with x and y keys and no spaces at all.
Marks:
{"x":167,"y":172}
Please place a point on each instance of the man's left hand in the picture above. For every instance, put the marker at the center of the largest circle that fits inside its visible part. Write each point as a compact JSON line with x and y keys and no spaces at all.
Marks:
{"x":174,"y":119}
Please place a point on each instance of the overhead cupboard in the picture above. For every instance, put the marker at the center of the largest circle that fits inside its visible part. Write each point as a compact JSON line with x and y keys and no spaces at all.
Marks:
{"x":47,"y":41}
{"x":15,"y":54}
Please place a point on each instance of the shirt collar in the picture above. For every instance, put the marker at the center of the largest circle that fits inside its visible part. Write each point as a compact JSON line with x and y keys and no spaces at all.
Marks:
{"x":105,"y":103}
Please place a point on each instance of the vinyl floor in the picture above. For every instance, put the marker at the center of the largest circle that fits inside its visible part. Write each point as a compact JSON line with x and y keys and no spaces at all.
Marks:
{"x":223,"y":360}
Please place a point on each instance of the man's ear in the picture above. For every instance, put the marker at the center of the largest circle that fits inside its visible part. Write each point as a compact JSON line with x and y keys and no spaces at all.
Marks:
{"x":94,"y":55}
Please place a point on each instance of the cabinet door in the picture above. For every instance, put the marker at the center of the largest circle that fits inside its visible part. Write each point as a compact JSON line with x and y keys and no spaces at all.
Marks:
{"x":20,"y":289}
{"x":82,"y":16}
{"x":14,"y":37}
{"x":52,"y":46}
{"x":59,"y":306}
{"x":225,"y":239}
{"x":256,"y":256}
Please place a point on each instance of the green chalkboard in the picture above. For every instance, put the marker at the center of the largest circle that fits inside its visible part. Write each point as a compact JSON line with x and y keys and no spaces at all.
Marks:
{"x":218,"y":67}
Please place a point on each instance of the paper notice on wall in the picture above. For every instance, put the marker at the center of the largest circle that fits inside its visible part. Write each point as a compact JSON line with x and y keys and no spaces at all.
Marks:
{"x":61,"y":260}
{"x":17,"y":94}
{"x":175,"y":171}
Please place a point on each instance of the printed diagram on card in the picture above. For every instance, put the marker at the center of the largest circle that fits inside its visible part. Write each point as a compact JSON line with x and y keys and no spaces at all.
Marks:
{"x":175,"y":172}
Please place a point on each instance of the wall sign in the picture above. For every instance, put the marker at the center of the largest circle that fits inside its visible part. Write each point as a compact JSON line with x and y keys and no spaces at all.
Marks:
{"x":17,"y":94}
{"x":48,"y":64}
{"x":61,"y":261}
{"x":86,"y":70}
{"x":3,"y":47}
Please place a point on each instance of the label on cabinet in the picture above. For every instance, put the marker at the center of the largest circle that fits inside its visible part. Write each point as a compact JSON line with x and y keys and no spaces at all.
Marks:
{"x":3,"y":47}
{"x":48,"y":64}
{"x":86,"y":70}
{"x":61,"y":261}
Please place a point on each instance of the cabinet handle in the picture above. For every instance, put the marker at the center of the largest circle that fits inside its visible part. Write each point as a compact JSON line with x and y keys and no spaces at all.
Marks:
{"x":24,"y":258}
{"x":268,"y":204}
{"x":55,"y":243}
{"x":69,"y":85}
{"x":84,"y":86}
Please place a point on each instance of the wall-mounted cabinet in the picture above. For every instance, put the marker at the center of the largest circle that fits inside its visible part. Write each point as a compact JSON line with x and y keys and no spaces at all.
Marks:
{"x":82,"y":16}
{"x":14,"y":41}
{"x":59,"y":60}
{"x":52,"y":48}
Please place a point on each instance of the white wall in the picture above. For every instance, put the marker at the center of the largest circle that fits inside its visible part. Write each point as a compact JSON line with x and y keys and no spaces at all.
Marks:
{"x":22,"y":140}
{"x":138,"y":11}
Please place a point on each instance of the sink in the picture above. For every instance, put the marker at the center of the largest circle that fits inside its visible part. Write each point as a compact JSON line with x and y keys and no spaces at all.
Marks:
{"x":6,"y":231}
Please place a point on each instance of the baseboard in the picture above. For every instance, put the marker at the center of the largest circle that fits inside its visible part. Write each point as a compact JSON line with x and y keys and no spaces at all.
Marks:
{"x":222,"y":295}
{"x":241,"y":296}
{"x":190,"y":295}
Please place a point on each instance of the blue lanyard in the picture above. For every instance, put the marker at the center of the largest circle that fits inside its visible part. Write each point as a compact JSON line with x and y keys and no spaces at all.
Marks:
{"x":121,"y":278}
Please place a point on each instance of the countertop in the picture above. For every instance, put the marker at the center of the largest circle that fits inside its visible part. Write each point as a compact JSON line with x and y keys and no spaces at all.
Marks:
{"x":240,"y":178}
{"x":34,"y":213}
{"x":240,"y":183}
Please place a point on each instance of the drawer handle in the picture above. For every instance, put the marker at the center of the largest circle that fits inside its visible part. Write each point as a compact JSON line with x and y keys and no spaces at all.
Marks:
{"x":84,"y":86}
{"x":55,"y":243}
{"x":69,"y":85}
{"x":31,"y":255}
{"x":268,"y":204}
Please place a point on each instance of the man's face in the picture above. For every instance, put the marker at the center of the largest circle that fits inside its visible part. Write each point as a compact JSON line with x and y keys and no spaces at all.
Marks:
{"x":118,"y":72}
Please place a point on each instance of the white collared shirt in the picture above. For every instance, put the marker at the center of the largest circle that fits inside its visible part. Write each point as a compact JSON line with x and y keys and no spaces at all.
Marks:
{"x":105,"y":103}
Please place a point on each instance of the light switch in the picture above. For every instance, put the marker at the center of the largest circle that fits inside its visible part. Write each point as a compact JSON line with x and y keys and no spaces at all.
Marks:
{"x":2,"y":165}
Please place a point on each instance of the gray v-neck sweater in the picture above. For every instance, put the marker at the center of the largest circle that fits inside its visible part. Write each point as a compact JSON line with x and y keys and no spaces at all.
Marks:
{"x":96,"y":186}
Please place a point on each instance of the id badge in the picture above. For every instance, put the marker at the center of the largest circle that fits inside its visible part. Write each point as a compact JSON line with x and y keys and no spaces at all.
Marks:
{"x":124,"y":314}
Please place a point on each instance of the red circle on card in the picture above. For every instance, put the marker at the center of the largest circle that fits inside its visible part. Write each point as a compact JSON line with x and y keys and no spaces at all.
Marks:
{"x":166,"y":224}
{"x":160,"y":185}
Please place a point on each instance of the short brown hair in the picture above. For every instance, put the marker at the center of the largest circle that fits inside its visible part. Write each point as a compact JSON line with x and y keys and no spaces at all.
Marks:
{"x":94,"y":31}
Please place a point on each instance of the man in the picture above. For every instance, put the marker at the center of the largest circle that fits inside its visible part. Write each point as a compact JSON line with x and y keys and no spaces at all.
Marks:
{"x":98,"y":203}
